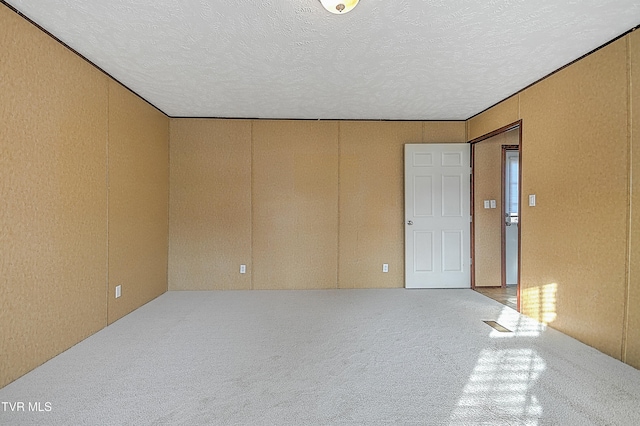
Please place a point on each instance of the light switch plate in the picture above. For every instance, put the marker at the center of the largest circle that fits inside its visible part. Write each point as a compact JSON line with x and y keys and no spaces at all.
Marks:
{"x":487,"y":204}
{"x":118,"y":291}
{"x":493,"y":204}
{"x":532,"y":200}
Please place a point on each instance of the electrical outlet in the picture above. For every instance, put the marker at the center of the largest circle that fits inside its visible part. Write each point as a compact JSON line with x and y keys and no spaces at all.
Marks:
{"x":385,"y":267}
{"x":118,"y":291}
{"x":243,"y":269}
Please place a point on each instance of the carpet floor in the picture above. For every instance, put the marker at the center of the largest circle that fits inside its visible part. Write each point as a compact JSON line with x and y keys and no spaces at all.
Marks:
{"x":352,"y":357}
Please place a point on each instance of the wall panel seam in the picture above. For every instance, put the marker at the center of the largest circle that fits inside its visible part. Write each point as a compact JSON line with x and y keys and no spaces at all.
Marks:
{"x":625,"y":321}
{"x":338,"y":211}
{"x":107,"y":183}
{"x":251,"y":270}
{"x":168,"y":198}
{"x":169,"y":251}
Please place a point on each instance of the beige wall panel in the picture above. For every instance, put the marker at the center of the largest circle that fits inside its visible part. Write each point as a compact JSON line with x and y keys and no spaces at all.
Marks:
{"x":295,"y":204}
{"x":633,"y":328}
{"x":138,"y":201}
{"x":512,"y":137}
{"x":488,"y":222}
{"x":506,"y":112}
{"x":574,"y":242}
{"x":53,"y":197}
{"x":210,"y":204}
{"x":444,"y":131}
{"x":372,"y":202}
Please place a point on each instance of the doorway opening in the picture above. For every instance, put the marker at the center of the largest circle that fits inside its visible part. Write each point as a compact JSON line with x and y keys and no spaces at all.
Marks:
{"x":510,"y":224}
{"x":496,"y":226}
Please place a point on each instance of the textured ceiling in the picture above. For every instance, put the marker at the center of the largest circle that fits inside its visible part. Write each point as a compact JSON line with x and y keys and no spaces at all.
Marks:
{"x":396,"y":60}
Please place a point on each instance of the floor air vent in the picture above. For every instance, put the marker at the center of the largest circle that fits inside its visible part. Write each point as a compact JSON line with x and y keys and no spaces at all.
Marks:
{"x":497,"y":326}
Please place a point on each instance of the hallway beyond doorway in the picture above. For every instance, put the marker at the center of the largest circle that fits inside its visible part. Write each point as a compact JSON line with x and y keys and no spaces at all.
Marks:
{"x":508,"y":295}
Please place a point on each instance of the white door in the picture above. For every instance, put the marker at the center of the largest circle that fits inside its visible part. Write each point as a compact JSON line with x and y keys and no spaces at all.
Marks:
{"x":437,"y":216}
{"x":511,"y":217}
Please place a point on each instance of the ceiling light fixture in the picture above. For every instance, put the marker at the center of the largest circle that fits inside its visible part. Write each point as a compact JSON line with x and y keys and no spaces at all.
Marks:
{"x":339,"y":7}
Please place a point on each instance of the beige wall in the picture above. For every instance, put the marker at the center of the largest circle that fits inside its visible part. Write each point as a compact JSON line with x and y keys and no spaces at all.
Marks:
{"x":305,"y":204}
{"x":54,"y":143}
{"x":372,"y":202}
{"x":372,"y":196}
{"x":210,"y":204}
{"x":632,"y":332}
{"x":138,"y":201}
{"x":504,"y":113}
{"x":575,"y":158}
{"x":487,"y":185}
{"x":295,"y":204}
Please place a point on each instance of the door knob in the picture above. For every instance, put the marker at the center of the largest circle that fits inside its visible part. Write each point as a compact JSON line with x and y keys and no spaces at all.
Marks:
{"x":409,"y":222}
